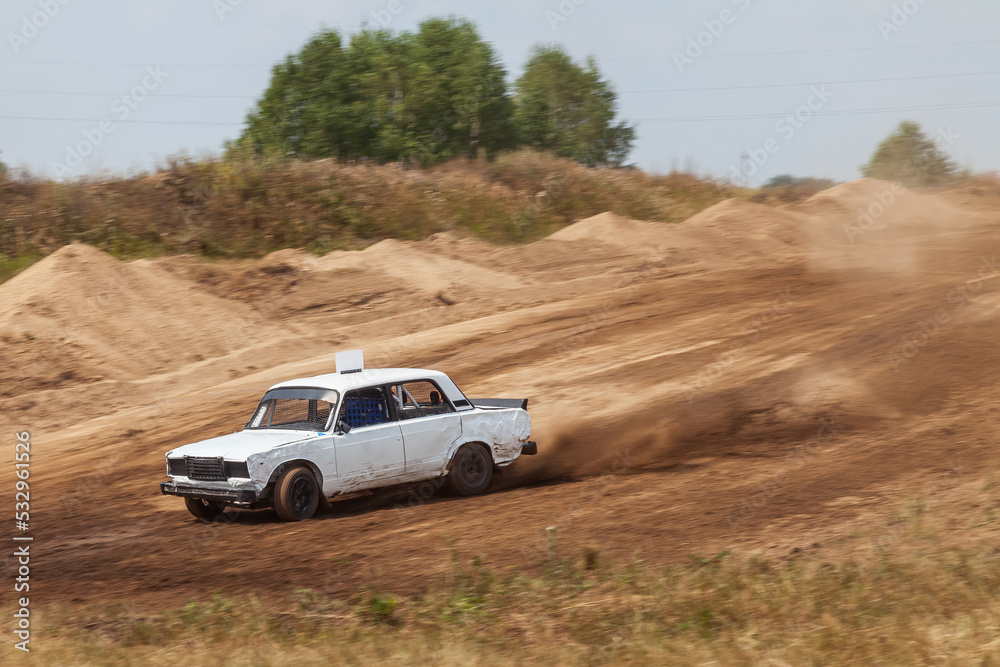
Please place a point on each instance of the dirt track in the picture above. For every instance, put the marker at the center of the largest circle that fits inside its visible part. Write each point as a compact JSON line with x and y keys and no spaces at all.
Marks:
{"x":750,"y":380}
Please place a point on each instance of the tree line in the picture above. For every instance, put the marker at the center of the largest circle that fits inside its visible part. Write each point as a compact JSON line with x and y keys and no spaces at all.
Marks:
{"x":428,"y":96}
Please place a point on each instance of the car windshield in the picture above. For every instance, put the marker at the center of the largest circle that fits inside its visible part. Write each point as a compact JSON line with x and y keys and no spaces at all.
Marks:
{"x":295,"y":409}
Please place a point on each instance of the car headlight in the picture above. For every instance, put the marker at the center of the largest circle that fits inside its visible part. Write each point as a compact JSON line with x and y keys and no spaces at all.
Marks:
{"x":176,"y":467}
{"x":237,"y":469}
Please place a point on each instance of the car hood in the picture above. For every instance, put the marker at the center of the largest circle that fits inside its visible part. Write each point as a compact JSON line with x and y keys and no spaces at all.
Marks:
{"x":242,"y":444}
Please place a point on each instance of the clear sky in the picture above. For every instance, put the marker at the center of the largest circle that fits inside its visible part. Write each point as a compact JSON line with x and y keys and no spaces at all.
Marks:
{"x":190,"y":69}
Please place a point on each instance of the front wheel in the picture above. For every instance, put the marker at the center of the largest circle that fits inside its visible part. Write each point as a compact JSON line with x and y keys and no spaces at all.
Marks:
{"x":471,"y":470}
{"x":204,"y":509}
{"x":296,"y":495}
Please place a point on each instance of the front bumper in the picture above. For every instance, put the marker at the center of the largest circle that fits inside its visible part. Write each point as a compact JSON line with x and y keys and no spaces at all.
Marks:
{"x":242,"y":496}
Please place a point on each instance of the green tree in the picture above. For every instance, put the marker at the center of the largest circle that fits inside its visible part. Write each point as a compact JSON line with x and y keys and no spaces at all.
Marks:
{"x":568,"y":109}
{"x":788,"y":188}
{"x":911,"y":158}
{"x":423,"y":97}
{"x":312,"y":106}
{"x":799,"y":182}
{"x":459,"y":92}
{"x":379,"y":73}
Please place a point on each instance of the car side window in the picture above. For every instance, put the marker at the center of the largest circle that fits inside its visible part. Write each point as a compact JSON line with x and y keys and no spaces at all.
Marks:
{"x":419,"y":399}
{"x":365,"y":407}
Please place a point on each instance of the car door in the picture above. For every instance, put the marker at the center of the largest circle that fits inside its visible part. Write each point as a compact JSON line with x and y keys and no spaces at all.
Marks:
{"x":372,"y":452}
{"x":429,"y":425}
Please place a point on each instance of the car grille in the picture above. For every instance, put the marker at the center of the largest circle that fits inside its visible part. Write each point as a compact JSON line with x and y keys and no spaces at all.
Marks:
{"x":206,"y":469}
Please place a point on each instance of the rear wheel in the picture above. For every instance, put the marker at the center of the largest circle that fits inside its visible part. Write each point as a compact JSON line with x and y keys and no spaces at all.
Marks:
{"x":296,"y":495}
{"x":471,"y":470}
{"x":204,"y":509}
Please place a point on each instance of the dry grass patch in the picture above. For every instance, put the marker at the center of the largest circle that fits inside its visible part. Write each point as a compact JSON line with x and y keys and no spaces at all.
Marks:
{"x":247,"y":208}
{"x":918,"y":603}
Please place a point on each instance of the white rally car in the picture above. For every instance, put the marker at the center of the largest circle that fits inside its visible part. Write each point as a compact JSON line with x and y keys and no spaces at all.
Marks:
{"x":356,"y":429}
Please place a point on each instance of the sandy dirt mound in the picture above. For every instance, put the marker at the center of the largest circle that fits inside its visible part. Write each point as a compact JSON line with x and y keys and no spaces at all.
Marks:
{"x":759,"y":385}
{"x":82,"y":308}
{"x":614,"y":230}
{"x":879,"y":226}
{"x":733,"y":230}
{"x":739,"y":221}
{"x":457,"y":247}
{"x":864,"y":194}
{"x":409,"y":266}
{"x":740,"y":231}
{"x":290,"y":258}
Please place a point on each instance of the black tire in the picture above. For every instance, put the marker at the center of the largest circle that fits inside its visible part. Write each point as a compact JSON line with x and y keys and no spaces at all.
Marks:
{"x":296,"y":495}
{"x":471,"y":470}
{"x":204,"y":509}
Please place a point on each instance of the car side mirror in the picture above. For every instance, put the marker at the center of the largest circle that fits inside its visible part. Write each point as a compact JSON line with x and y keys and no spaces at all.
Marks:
{"x":343,"y":427}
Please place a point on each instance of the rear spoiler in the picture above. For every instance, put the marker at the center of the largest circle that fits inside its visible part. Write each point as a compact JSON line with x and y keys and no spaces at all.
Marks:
{"x":500,"y":403}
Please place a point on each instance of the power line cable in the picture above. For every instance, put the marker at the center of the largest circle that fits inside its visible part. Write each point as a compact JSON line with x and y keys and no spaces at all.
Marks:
{"x":810,"y":83}
{"x":149,"y":64}
{"x":810,"y":51}
{"x":625,"y":92}
{"x":147,"y":122}
{"x":684,"y":119}
{"x":846,"y":112}
{"x":119,"y":94}
{"x":670,"y":57}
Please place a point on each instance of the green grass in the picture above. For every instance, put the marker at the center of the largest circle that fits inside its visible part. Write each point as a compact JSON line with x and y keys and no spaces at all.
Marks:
{"x":922,"y":587}
{"x":937,"y":607}
{"x":11,"y":266}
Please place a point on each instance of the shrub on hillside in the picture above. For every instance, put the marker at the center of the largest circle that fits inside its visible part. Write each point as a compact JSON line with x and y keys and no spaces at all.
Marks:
{"x":909,"y":157}
{"x":248,"y":207}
